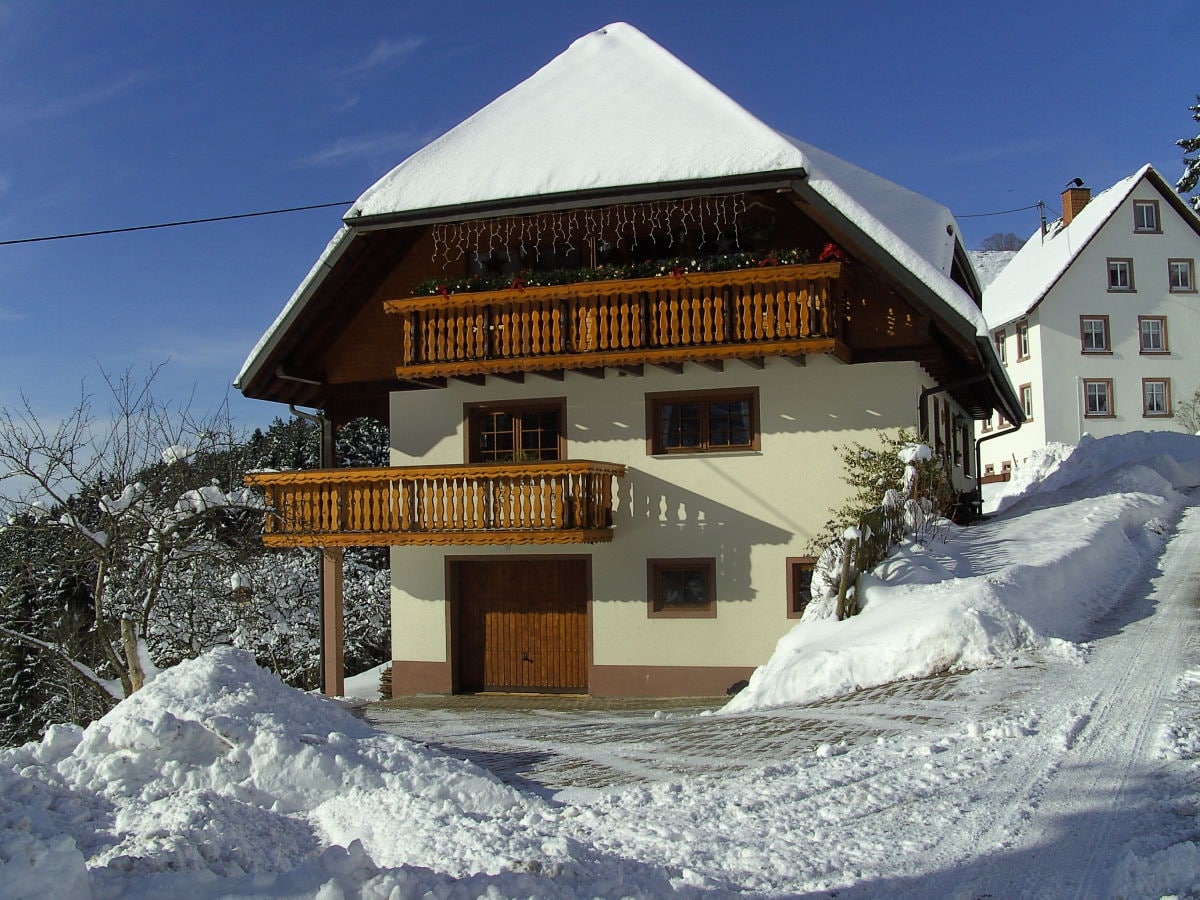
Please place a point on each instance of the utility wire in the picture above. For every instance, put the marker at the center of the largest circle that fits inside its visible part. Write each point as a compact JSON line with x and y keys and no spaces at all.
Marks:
{"x":1003,"y":212}
{"x":250,"y":215}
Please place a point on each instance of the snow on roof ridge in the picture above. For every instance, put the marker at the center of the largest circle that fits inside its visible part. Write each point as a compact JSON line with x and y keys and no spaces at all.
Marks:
{"x":1041,"y":262}
{"x":607,"y":112}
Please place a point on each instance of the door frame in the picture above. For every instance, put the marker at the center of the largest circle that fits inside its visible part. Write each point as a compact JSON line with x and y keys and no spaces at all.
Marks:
{"x":453,"y":607}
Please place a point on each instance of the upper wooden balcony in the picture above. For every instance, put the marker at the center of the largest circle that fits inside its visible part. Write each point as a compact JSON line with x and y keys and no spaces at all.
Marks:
{"x":563,"y":502}
{"x":694,"y":317}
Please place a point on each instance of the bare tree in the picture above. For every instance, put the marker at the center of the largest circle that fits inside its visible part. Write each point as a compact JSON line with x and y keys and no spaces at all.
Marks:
{"x":131,"y":501}
{"x":998,"y":241}
{"x":1187,"y":414}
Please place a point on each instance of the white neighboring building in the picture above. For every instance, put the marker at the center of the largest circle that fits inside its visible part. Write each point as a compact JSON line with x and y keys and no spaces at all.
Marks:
{"x":1098,"y":320}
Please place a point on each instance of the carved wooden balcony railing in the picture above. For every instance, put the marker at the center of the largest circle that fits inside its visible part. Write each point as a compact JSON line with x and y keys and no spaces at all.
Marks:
{"x":769,"y":311}
{"x":566,"y":502}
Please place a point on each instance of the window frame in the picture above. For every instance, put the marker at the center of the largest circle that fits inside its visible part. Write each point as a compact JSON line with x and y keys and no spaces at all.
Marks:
{"x":1107,"y":383}
{"x":1083,"y":336}
{"x":1166,"y":398}
{"x":1114,"y":266}
{"x":657,"y":399}
{"x":1138,"y":206}
{"x":1149,"y":351}
{"x":1189,"y":266}
{"x":1000,"y":341}
{"x":1025,"y":394}
{"x":656,"y":606}
{"x":796,"y":564}
{"x":1023,"y":349}
{"x":474,"y":412}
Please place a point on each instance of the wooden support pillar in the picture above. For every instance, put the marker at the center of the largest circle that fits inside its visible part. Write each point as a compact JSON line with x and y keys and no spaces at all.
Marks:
{"x":333,"y":627}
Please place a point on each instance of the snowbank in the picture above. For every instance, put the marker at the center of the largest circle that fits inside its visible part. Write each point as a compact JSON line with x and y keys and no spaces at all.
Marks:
{"x":1078,"y":525}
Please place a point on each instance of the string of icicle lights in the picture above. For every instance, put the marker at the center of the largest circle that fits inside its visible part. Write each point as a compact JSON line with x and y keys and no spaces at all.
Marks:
{"x":670,"y":220}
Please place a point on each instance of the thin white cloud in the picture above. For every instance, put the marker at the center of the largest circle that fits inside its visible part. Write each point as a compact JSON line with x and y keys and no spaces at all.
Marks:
{"x":40,"y":109}
{"x":387,"y":52}
{"x":11,"y":315}
{"x":386,"y":146}
{"x":992,"y":153}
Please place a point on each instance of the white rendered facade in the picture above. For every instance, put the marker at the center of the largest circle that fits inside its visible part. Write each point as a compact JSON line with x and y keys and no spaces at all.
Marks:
{"x":1108,"y":313}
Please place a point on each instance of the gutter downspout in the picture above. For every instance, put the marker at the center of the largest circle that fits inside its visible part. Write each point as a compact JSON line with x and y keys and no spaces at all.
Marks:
{"x":922,"y":409}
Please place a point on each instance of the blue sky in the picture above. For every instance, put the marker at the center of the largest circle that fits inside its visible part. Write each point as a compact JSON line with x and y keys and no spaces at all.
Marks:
{"x":129,"y":113}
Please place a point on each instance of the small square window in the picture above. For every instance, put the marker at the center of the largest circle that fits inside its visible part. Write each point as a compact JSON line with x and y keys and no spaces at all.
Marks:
{"x":1145,"y":215}
{"x":989,"y":469}
{"x":1093,"y":333}
{"x":1097,"y":398}
{"x":987,"y":426}
{"x":1152,"y":334}
{"x":1156,"y":397}
{"x":1006,"y":466}
{"x":1120,"y":274}
{"x":1000,"y":338}
{"x":1026,"y":392}
{"x":1022,"y":341}
{"x":682,"y":588}
{"x":799,"y":584}
{"x":1181,"y":275}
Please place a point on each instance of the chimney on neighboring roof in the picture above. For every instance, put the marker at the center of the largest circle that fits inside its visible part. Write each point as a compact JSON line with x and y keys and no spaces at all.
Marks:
{"x":1074,"y":198}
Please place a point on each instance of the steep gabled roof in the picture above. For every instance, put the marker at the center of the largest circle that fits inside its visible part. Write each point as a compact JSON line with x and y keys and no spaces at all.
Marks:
{"x":617,"y":112}
{"x":1038,"y":266}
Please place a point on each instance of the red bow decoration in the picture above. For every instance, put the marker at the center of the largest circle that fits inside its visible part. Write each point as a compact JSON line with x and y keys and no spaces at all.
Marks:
{"x":832,"y":253}
{"x":443,"y":290}
{"x":769,"y":260}
{"x":517,"y":284}
{"x":677,"y":271}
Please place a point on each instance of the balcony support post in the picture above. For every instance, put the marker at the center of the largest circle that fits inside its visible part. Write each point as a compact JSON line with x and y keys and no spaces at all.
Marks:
{"x":333,"y":627}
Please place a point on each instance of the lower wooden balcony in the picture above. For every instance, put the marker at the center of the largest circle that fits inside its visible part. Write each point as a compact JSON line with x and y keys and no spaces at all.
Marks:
{"x":565,"y":502}
{"x":788,"y":310}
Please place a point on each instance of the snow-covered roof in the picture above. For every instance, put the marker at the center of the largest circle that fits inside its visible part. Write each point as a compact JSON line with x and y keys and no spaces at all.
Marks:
{"x":1039,"y":265}
{"x":989,"y":264}
{"x":614,"y":111}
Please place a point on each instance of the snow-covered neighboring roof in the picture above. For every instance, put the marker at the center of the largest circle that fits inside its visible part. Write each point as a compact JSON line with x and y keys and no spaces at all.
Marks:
{"x":989,"y":264}
{"x":1039,"y":265}
{"x":615,"y":110}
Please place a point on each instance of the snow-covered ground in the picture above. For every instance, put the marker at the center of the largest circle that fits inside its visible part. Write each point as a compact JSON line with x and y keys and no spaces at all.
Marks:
{"x":1077,"y":773}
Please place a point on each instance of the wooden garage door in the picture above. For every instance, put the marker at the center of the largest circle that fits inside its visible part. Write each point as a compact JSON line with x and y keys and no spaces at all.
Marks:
{"x":521,"y":624}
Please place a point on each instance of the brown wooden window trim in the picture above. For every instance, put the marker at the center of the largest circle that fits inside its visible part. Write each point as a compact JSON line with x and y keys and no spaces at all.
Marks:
{"x":1106,"y":349}
{"x":1166,"y":413}
{"x":1025,"y":392}
{"x":704,"y":399}
{"x":799,"y":584}
{"x":1166,"y":345}
{"x":1023,"y":351}
{"x":1141,"y":229}
{"x":1112,"y":406}
{"x":662,"y":574}
{"x":474,"y":414}
{"x":1113,"y":267}
{"x":1001,"y":349}
{"x":1190,"y":265}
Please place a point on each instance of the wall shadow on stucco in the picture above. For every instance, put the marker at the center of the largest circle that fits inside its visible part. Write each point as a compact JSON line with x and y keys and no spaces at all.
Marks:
{"x":672,"y":521}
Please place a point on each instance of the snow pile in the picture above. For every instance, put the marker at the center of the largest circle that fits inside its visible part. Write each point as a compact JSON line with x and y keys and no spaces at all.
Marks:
{"x":1033,"y":578}
{"x":218,"y":773}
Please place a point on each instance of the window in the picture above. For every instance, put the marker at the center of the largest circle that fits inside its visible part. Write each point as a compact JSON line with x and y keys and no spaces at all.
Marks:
{"x":987,"y":425}
{"x":1145,"y":215}
{"x":1006,"y":467}
{"x":1026,"y":392}
{"x":1156,"y":397}
{"x":989,"y":469}
{"x":1022,"y":341}
{"x":1097,"y":398}
{"x":1152,"y":334}
{"x":799,"y":584}
{"x":682,"y":588}
{"x":966,"y":435}
{"x":1120,"y":274}
{"x":1181,"y":275}
{"x":1001,"y":337}
{"x":515,"y":431}
{"x":1093,"y":333}
{"x":702,"y":422}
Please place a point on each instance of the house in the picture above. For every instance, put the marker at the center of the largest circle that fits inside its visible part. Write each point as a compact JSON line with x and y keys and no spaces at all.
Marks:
{"x":1097,"y":319}
{"x":618,"y":326}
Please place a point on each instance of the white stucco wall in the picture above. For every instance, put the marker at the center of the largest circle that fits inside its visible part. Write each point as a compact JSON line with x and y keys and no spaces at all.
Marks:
{"x":1058,"y":366}
{"x":747,"y":510}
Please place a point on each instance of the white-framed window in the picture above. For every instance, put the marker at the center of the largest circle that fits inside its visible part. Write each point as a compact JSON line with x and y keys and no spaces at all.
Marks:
{"x":1156,"y":397}
{"x":1120,"y":274}
{"x":1152,"y":334}
{"x":1093,"y":334}
{"x":1026,"y":391}
{"x":1022,"y":340}
{"x":1097,"y":398}
{"x":1181,"y":275}
{"x":1000,"y":340}
{"x":1145,"y":216}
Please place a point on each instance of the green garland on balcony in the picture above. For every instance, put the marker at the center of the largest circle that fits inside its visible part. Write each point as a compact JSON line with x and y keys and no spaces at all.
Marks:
{"x":724,"y":262}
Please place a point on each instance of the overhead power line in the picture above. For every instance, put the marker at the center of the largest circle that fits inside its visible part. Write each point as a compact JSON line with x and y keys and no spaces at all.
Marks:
{"x":126,"y":230}
{"x":1003,"y":212}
